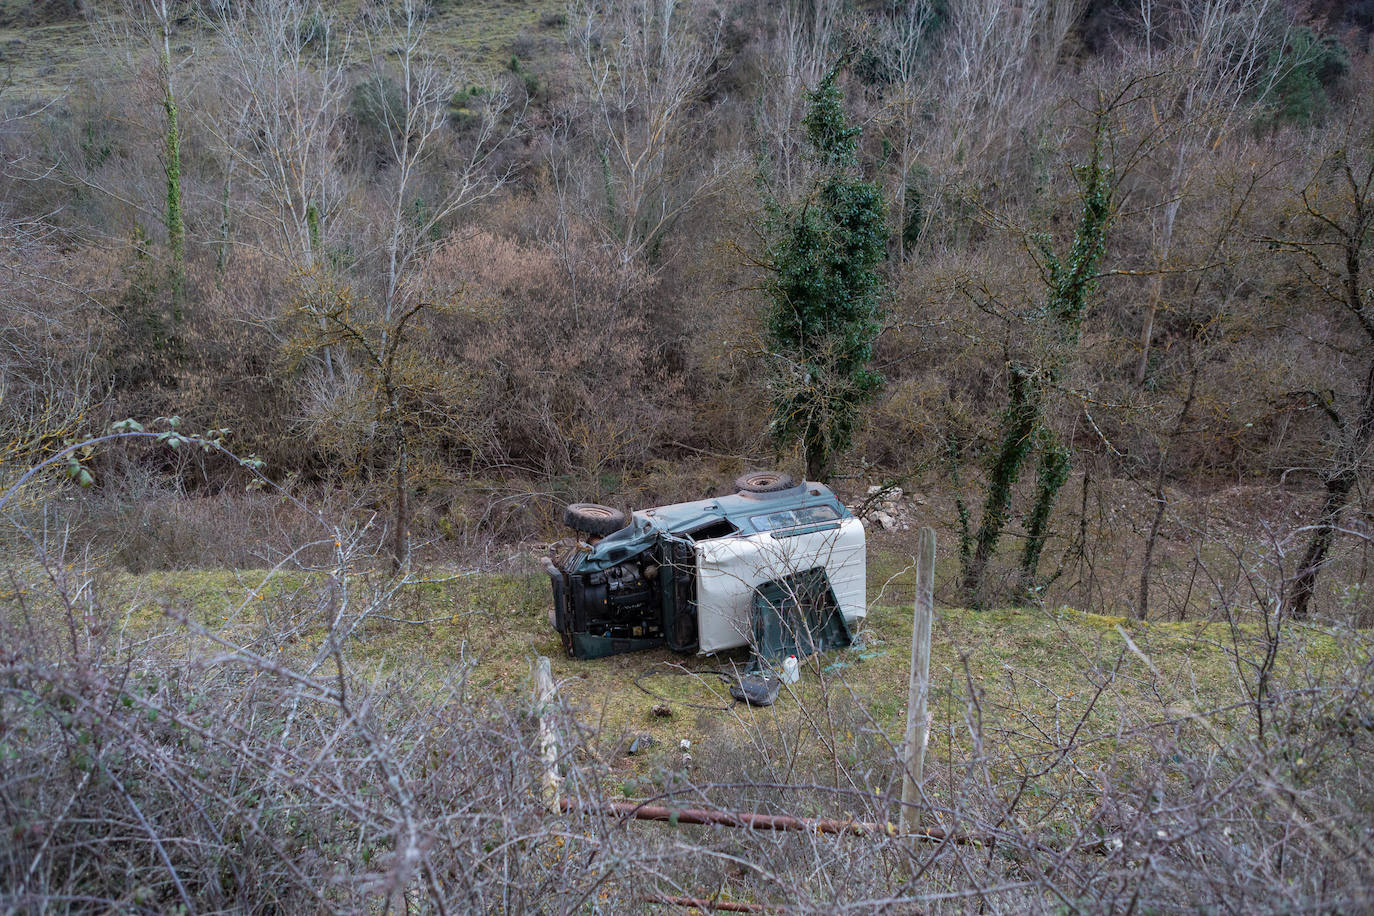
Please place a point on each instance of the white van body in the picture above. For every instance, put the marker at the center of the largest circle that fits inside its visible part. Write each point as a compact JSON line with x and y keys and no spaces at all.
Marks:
{"x":729,"y":568}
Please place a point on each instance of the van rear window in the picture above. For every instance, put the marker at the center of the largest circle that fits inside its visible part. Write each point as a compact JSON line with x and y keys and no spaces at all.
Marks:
{"x":792,"y":518}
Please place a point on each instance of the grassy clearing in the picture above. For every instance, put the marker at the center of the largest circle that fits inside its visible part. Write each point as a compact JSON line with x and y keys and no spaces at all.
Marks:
{"x":1079,"y":741}
{"x":1018,"y":680}
{"x":43,"y":59}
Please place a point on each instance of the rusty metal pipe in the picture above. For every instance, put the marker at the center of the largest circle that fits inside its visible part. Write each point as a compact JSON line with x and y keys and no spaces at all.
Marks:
{"x":703,"y":903}
{"x":754,"y":821}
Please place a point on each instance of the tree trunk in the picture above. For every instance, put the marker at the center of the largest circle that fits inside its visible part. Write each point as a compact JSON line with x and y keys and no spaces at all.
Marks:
{"x":400,"y":536}
{"x":315,"y":254}
{"x":1147,"y":330}
{"x":176,"y":227}
{"x":1022,"y":416}
{"x":1143,"y":601}
{"x":816,"y":451}
{"x":222,"y":254}
{"x":1339,"y":482}
{"x":817,"y":467}
{"x":1337,"y":492}
{"x":1054,"y":470}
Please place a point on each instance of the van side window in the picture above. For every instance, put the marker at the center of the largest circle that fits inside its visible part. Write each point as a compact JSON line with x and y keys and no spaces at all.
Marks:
{"x":791,"y":518}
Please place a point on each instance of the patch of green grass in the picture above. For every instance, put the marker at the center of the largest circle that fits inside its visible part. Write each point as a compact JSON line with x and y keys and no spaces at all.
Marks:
{"x":484,"y":32}
{"x":1017,"y":680}
{"x":41,"y":61}
{"x":211,"y":598}
{"x":45,"y":58}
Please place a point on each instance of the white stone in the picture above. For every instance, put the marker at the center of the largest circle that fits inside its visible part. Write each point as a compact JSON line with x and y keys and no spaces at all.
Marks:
{"x":886,"y":521}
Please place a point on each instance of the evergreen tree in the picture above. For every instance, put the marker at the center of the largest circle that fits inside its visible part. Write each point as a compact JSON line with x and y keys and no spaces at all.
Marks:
{"x":825,"y":292}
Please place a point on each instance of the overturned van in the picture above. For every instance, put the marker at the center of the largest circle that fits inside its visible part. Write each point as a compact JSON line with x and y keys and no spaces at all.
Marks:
{"x":713,"y":574}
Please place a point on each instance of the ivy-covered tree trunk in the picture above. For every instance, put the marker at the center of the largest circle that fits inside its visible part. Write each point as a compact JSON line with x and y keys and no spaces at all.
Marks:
{"x":1018,"y":432}
{"x":1053,"y":471}
{"x":1070,"y":283}
{"x":176,"y":228}
{"x":826,"y":293}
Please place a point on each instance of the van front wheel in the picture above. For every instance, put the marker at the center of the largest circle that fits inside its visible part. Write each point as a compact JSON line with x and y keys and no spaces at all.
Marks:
{"x":590,"y":518}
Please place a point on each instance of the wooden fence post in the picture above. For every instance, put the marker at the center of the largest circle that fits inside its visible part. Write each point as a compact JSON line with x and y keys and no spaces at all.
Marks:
{"x":918,"y":688}
{"x":544,"y":696}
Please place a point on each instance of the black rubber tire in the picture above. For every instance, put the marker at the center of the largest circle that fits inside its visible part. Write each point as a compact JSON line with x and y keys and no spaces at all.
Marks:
{"x":590,"y":518}
{"x":764,"y":482}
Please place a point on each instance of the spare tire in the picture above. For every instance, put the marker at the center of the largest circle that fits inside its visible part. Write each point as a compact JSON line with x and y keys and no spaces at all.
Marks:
{"x":589,"y":518}
{"x":764,"y":482}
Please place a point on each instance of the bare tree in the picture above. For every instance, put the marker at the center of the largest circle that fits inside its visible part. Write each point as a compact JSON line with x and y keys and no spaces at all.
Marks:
{"x":48,"y":379}
{"x":999,"y":59}
{"x":803,"y":47}
{"x":1218,"y":60}
{"x":643,"y":66}
{"x":279,"y":124}
{"x":970,"y":90}
{"x":911,"y":50}
{"x":411,"y":88}
{"x":1332,"y":249}
{"x":429,"y":173}
{"x":139,"y":32}
{"x":282,"y":98}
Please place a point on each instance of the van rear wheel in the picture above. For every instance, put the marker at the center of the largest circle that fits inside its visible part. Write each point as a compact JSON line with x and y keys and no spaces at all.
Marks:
{"x":590,"y":518}
{"x":764,"y":482}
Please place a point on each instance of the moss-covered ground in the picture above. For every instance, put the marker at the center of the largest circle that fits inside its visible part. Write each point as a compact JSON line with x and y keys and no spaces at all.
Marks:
{"x":1017,"y":685}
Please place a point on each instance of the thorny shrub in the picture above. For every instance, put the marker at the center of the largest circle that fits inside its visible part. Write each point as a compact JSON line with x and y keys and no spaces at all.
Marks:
{"x":256,"y":759}
{"x":574,"y":380}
